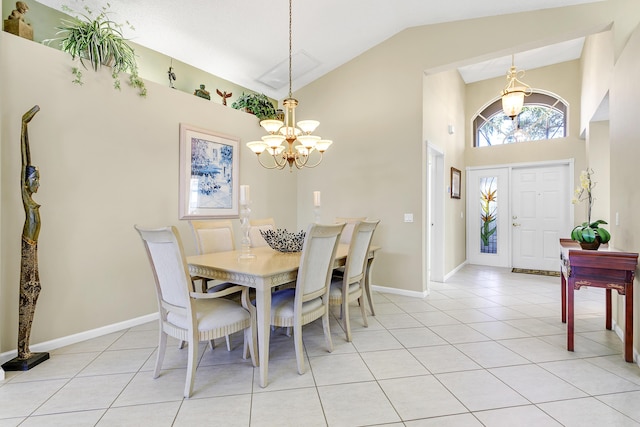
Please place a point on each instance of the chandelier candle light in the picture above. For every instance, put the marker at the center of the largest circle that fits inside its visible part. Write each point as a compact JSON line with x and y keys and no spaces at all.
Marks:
{"x":245,"y":211}
{"x":515,"y":91}
{"x":300,"y":141}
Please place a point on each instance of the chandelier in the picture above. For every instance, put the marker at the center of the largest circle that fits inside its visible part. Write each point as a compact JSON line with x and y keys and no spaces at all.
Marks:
{"x":300,"y":141}
{"x":515,"y":91}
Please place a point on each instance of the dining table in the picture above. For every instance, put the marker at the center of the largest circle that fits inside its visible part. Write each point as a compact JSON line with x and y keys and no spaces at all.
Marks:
{"x":263,"y":272}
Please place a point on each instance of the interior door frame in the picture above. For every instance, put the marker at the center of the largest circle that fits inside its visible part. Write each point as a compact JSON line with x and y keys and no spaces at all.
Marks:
{"x":434,"y":213}
{"x":510,"y":166}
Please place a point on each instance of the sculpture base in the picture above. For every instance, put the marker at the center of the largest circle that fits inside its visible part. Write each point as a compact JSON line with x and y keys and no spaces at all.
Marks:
{"x":16,"y":364}
{"x":19,"y":28}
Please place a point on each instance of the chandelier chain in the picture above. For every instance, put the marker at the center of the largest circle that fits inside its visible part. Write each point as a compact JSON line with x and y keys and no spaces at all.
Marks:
{"x":299,"y":138}
{"x":290,"y":32}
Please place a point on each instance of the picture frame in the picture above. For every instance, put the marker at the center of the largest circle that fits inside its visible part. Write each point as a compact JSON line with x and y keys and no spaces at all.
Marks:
{"x":209,"y":174}
{"x":456,"y":177}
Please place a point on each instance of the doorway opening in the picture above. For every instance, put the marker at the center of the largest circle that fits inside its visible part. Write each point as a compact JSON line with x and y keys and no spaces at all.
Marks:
{"x":434,"y":229}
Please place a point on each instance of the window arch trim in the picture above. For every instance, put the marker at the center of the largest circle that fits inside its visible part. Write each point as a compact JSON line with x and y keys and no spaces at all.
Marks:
{"x":538,"y":97}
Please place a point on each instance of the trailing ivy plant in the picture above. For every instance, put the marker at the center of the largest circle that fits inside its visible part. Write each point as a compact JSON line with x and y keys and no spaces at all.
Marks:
{"x":257,"y":104}
{"x":97,"y":40}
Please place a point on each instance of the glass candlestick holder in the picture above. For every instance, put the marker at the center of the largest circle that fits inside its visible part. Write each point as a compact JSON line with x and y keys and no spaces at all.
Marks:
{"x":245,"y":244}
{"x":316,"y":214}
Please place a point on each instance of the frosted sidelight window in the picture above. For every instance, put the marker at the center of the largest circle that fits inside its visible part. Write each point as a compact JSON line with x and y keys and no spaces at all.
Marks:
{"x":488,"y":212}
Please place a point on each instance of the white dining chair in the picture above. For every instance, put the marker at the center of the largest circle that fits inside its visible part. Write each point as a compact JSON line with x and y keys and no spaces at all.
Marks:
{"x":211,"y":237}
{"x":349,"y":223}
{"x":255,"y":225}
{"x":191,"y":316}
{"x":345,"y":237}
{"x":350,"y":285}
{"x":309,"y":300}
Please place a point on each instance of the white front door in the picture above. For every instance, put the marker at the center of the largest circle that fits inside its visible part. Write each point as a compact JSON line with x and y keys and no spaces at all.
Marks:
{"x":488,"y":219}
{"x":539,"y":215}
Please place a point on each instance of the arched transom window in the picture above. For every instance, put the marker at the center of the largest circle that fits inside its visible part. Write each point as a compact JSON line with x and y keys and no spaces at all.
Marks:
{"x":543,"y":117}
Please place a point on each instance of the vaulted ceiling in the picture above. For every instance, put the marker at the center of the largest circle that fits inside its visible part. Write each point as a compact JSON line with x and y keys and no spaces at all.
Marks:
{"x":246,"y":41}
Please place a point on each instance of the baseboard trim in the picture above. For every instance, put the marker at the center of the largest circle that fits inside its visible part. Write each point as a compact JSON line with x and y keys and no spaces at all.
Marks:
{"x":80,"y":336}
{"x":396,"y":291}
{"x":455,"y":270}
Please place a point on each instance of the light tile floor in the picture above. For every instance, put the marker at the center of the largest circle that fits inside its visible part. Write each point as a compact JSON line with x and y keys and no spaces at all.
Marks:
{"x":485,"y":348}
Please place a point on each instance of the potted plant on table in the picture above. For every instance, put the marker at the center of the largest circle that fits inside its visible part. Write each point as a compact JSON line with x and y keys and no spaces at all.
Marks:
{"x":589,"y":234}
{"x":257,"y":104}
{"x":98,"y":40}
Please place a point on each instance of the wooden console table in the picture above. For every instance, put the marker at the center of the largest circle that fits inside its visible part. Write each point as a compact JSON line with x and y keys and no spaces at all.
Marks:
{"x":604,"y":268}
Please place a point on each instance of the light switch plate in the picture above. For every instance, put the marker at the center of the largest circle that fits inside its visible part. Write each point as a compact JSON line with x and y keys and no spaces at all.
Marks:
{"x":408,"y":217}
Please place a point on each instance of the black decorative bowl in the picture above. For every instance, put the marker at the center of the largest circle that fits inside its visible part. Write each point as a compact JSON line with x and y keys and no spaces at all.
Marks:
{"x":284,"y":241}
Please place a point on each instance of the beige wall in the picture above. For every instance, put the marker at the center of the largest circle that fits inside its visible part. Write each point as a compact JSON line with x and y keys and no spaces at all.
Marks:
{"x":444,"y":104}
{"x":625,"y":152}
{"x":598,"y":151}
{"x":596,"y":66}
{"x":3,"y":293}
{"x":375,"y":120}
{"x":108,"y":160}
{"x":373,"y":109}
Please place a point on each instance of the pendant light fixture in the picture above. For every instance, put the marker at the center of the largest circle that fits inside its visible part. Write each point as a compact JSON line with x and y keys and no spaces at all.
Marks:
{"x":298,"y":136}
{"x":515,"y":91}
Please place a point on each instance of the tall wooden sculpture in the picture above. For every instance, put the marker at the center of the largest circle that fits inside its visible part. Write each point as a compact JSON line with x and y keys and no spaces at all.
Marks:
{"x":29,"y":277}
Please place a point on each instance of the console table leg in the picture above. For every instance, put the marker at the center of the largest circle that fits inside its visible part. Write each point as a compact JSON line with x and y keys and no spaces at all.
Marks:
{"x":570,"y":292}
{"x":628,"y":323}
{"x":563,"y":297}
{"x":607,"y":319}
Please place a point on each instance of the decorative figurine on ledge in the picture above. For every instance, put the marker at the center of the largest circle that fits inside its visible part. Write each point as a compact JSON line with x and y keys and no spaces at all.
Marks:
{"x":172,"y":77}
{"x":202,"y":93}
{"x":15,"y":23}
{"x":19,"y":12}
{"x":29,"y":277}
{"x":224,"y":96}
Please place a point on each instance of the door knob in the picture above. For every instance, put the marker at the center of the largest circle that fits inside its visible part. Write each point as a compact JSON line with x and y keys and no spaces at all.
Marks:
{"x":515,"y":224}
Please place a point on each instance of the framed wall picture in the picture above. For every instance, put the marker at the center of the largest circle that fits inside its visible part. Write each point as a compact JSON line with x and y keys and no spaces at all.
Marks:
{"x":209,"y":174}
{"x":455,"y":183}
